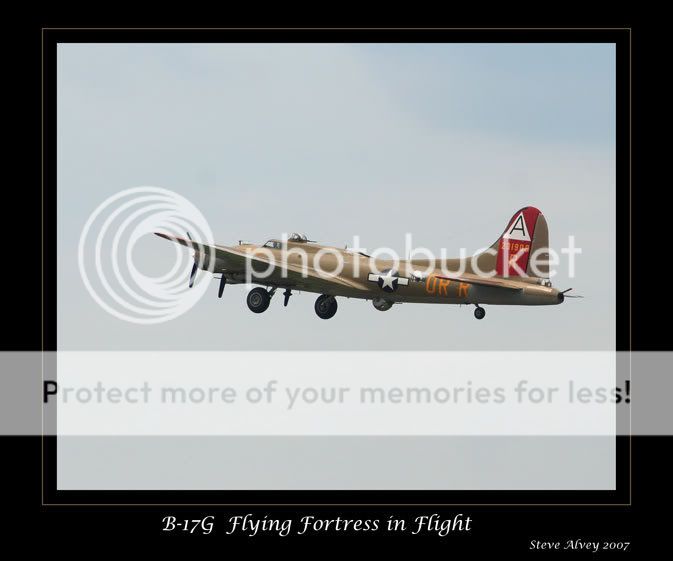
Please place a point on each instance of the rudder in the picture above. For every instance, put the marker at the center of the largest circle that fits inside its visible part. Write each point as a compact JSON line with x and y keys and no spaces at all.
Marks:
{"x":526,"y":234}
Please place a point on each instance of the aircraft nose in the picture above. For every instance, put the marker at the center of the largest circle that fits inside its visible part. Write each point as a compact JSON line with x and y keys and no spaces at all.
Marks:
{"x":560,"y":297}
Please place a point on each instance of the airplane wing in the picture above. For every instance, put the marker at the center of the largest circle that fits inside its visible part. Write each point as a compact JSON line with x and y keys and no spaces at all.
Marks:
{"x":233,"y":260}
{"x":482,"y":281}
{"x":296,"y":276}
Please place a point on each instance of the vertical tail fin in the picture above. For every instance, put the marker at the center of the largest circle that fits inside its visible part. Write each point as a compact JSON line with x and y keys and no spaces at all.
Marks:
{"x":526,"y":235}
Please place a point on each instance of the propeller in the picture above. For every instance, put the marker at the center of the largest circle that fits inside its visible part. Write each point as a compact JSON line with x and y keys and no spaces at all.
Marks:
{"x":192,"y":275}
{"x":223,"y":282}
{"x":195,"y":267}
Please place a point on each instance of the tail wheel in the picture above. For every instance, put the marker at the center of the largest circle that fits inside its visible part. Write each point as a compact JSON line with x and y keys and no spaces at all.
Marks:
{"x":258,"y":300}
{"x":479,"y":312}
{"x":325,"y":306}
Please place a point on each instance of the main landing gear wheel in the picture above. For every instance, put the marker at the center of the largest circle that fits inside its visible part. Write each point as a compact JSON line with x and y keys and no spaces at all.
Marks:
{"x":325,"y":306}
{"x":258,"y":300}
{"x":479,"y":312}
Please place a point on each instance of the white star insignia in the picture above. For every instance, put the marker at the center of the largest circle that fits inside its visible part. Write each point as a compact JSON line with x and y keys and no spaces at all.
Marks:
{"x":388,"y":282}
{"x":388,"y":279}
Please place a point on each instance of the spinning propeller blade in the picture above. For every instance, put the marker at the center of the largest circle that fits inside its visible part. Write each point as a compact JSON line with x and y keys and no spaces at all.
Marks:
{"x":192,"y":275}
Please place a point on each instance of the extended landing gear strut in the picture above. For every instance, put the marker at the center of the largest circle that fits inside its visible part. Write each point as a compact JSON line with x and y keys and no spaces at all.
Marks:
{"x":259,"y":299}
{"x":479,"y":312}
{"x":325,"y":306}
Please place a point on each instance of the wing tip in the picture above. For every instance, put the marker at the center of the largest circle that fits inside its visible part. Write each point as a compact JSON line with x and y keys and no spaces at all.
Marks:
{"x":176,"y":239}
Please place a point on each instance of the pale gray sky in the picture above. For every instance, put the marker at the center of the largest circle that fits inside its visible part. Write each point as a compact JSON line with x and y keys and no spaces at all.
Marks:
{"x":443,"y":141}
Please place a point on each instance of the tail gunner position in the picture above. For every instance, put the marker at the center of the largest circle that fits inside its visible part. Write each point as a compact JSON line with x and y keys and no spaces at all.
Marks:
{"x":513,"y":271}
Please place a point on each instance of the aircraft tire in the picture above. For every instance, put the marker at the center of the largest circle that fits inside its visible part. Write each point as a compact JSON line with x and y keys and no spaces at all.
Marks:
{"x":258,"y":300}
{"x":479,"y":312}
{"x":325,"y":306}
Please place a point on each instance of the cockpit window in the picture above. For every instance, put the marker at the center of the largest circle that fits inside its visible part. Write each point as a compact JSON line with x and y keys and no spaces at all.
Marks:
{"x":273,"y":244}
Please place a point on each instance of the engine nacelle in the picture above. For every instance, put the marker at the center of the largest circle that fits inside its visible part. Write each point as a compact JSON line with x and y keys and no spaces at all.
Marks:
{"x":381,"y":304}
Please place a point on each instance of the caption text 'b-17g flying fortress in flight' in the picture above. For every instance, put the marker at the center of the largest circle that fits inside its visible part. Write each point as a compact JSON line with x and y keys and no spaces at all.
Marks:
{"x":513,"y":271}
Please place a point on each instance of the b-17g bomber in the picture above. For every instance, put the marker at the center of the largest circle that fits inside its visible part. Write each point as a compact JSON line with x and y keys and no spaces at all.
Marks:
{"x":513,"y":271}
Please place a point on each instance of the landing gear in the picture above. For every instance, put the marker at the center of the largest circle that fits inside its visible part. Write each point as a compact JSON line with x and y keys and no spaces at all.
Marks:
{"x":479,"y":312}
{"x":325,"y":306}
{"x":286,"y":295}
{"x":258,"y":300}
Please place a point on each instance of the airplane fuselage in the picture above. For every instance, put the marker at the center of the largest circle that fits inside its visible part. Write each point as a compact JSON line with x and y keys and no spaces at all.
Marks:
{"x":513,"y":271}
{"x":362,"y":271}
